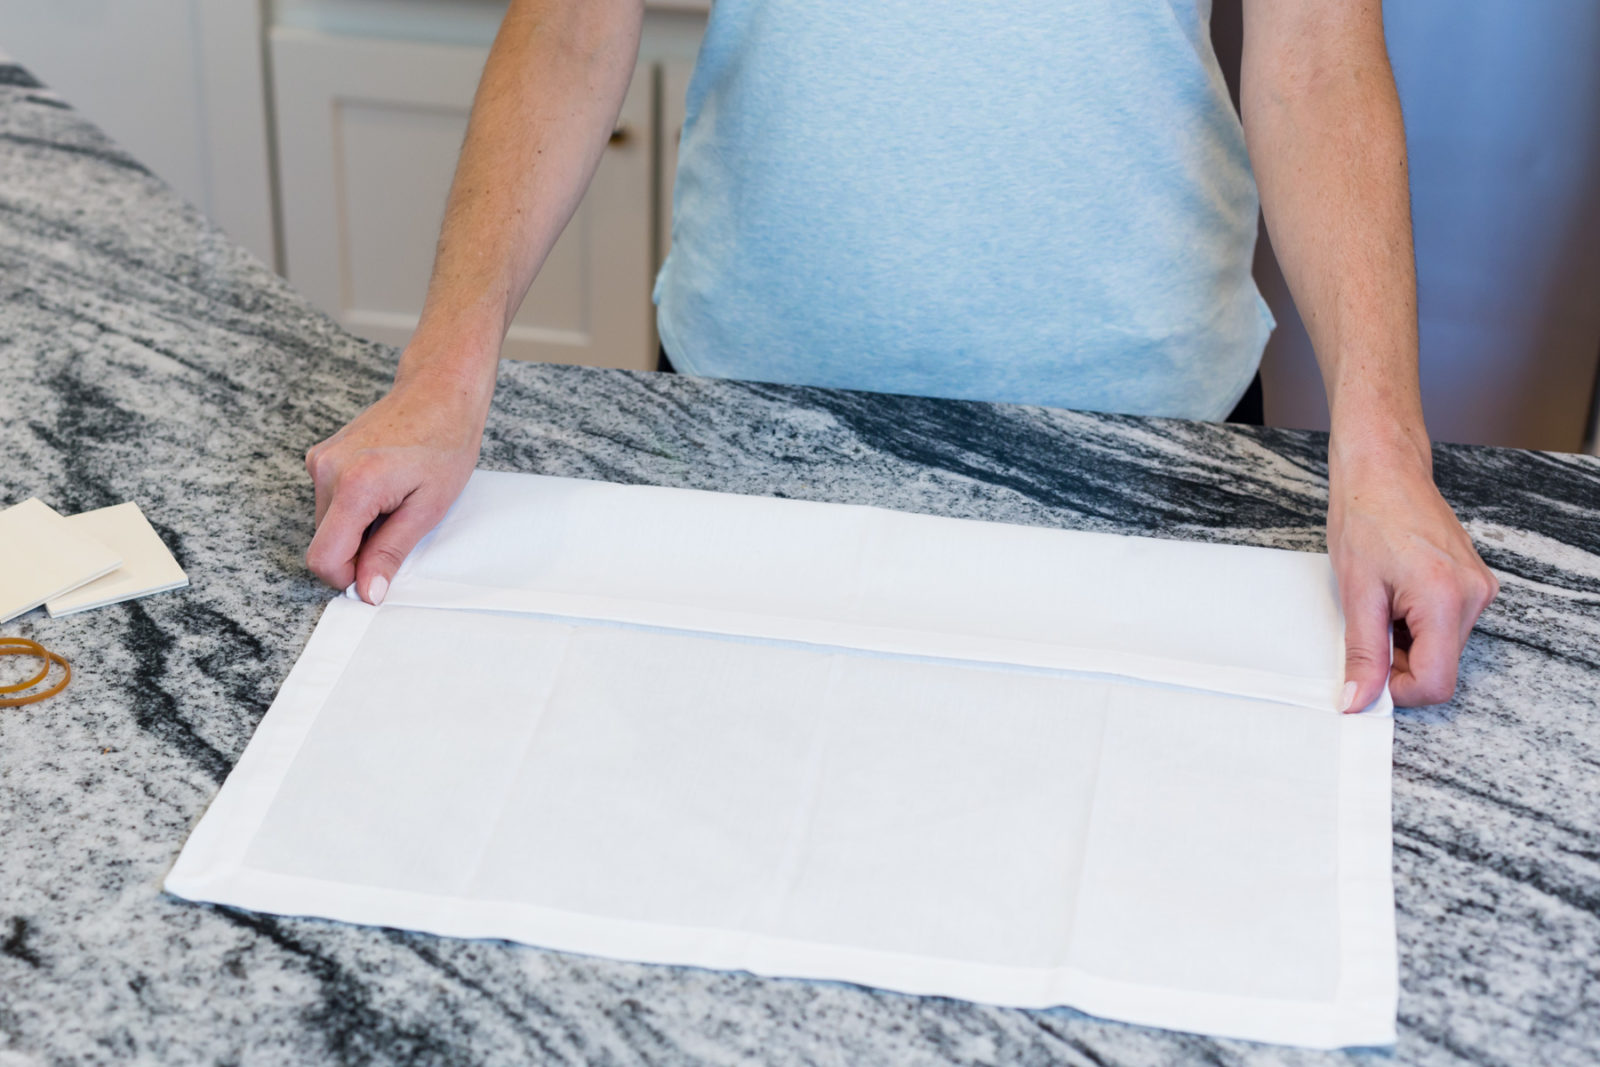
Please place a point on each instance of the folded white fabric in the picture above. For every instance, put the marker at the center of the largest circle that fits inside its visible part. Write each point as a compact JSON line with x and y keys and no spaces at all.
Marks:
{"x":1016,"y":765}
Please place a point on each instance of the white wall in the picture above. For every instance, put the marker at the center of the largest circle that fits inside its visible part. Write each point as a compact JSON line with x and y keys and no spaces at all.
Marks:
{"x":178,"y":83}
{"x":1502,"y":108}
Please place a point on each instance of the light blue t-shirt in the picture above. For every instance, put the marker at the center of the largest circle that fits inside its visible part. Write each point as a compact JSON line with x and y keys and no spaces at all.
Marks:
{"x":1039,"y":201}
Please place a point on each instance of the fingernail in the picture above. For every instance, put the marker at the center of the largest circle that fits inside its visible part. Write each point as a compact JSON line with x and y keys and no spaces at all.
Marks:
{"x":1346,"y":699}
{"x":377,"y":589}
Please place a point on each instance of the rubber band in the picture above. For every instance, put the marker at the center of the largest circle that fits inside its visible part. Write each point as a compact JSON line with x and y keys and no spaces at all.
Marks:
{"x":21,"y":646}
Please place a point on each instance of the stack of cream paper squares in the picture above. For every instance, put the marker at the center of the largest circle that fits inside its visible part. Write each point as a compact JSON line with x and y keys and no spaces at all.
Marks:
{"x":85,"y":561}
{"x":1021,"y":766}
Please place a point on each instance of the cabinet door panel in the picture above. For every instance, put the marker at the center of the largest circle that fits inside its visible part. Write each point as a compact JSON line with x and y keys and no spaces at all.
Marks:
{"x":368,"y":133}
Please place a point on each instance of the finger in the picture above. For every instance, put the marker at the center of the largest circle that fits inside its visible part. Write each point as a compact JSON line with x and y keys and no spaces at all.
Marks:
{"x":323,"y":496}
{"x":383,"y":552}
{"x":324,"y":468}
{"x":1427,"y":674}
{"x":1366,"y":642}
{"x":1481,"y":589}
{"x":321,"y":480}
{"x":332,"y":555}
{"x":1402,"y":663}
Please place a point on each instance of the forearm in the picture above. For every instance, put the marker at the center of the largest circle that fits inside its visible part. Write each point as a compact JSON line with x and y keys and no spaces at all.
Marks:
{"x":1322,"y":120}
{"x":546,"y":105}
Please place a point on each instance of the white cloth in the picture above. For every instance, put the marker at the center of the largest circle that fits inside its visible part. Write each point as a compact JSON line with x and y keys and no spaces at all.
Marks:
{"x":1015,"y":765}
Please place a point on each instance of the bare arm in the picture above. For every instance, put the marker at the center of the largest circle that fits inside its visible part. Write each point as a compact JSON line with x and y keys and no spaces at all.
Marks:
{"x":1322,"y":120}
{"x":545,"y":108}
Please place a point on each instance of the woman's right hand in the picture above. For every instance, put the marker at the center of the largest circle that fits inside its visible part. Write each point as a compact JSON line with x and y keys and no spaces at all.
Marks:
{"x":388,"y":477}
{"x":544,"y":112}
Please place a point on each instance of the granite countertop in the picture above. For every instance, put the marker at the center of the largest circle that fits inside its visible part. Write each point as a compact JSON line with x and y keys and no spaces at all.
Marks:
{"x":146,"y":357}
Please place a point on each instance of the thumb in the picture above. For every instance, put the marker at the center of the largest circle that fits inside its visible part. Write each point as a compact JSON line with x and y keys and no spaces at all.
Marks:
{"x":387,"y":546}
{"x":1366,"y":644}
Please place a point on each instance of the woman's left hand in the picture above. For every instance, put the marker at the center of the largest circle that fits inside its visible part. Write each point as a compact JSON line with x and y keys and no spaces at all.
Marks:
{"x":1401,"y":556}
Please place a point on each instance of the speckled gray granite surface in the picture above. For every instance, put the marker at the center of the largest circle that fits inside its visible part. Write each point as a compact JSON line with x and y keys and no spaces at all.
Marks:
{"x":145,"y":357}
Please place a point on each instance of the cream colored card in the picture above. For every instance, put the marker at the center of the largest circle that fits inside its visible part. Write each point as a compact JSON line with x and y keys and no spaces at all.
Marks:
{"x":147,"y":566}
{"x":43,"y":556}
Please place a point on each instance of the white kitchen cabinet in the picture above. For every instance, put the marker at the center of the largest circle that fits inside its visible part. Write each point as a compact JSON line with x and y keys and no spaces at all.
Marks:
{"x":368,"y":134}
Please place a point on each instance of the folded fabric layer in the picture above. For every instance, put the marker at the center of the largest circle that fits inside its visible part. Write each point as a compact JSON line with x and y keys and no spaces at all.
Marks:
{"x":1252,"y":621}
{"x":1021,"y":766}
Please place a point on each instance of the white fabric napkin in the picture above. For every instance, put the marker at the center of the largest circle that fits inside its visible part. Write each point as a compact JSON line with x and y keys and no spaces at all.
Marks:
{"x":1016,"y":765}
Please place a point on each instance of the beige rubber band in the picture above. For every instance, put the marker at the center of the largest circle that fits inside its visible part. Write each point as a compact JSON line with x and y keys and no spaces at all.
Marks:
{"x":21,"y":646}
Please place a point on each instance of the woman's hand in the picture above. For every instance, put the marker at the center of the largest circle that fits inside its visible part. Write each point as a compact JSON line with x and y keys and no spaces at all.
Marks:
{"x":544,"y":112}
{"x":389,"y":476}
{"x":1400,"y":555}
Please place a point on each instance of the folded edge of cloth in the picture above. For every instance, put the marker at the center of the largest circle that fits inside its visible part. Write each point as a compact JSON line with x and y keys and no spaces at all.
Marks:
{"x":1258,"y":622}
